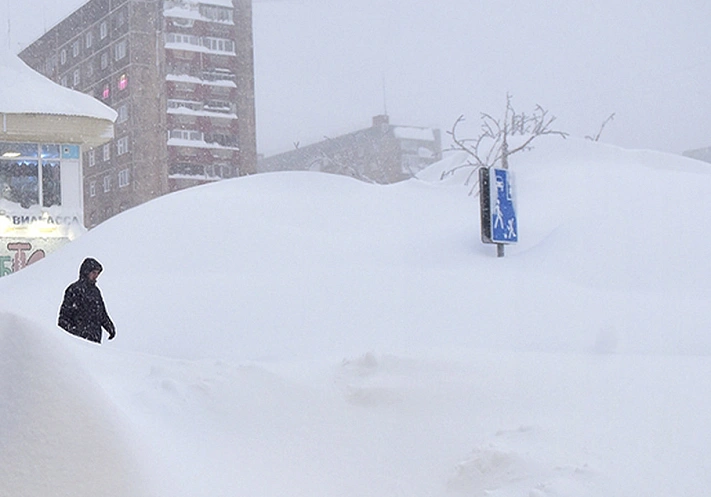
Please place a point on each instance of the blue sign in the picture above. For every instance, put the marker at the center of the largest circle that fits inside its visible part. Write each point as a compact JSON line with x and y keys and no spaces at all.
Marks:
{"x":504,"y":226}
{"x":70,"y":151}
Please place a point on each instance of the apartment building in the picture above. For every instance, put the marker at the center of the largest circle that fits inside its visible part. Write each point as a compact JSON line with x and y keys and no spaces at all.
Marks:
{"x":383,"y":153}
{"x":180,"y":75}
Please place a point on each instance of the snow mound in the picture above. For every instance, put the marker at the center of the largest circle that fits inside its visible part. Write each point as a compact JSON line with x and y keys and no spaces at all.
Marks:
{"x":52,"y":407}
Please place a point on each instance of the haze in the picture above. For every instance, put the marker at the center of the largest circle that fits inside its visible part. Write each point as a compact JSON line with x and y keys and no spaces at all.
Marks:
{"x":324,"y":68}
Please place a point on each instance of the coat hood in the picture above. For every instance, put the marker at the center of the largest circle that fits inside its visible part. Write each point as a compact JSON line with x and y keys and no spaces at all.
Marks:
{"x":88,"y":266}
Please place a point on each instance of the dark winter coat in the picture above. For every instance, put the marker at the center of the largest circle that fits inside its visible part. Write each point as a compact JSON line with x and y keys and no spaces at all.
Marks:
{"x":83,"y":312}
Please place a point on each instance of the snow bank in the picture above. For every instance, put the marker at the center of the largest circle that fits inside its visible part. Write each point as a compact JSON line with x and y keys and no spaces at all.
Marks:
{"x":308,"y":334}
{"x":58,"y":433}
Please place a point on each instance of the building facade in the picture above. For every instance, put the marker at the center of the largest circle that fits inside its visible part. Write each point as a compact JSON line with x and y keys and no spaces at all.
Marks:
{"x":383,"y":153}
{"x":180,"y":75}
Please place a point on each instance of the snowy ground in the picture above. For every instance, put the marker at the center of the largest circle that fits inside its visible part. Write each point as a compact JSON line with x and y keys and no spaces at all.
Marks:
{"x":303,"y":334}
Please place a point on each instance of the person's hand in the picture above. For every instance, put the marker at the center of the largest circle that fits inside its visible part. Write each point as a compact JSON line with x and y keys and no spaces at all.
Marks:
{"x":112,"y":333}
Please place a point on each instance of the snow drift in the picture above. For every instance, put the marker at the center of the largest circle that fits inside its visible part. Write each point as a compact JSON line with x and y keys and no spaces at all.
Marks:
{"x":307,"y":334}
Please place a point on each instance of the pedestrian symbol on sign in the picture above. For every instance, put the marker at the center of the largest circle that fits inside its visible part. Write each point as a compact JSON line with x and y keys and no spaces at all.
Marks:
{"x":504,"y":227}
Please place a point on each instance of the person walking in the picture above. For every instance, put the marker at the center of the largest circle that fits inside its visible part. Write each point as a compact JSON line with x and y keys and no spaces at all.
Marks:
{"x":83,"y":312}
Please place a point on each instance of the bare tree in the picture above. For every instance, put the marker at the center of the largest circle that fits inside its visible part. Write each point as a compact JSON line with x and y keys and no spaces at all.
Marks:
{"x":602,"y":127}
{"x":492,"y":146}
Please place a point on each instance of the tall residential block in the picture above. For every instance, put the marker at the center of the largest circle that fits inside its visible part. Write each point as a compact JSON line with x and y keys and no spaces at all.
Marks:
{"x":179,"y":73}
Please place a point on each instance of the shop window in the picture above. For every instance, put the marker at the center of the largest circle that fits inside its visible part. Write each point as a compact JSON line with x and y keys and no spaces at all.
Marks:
{"x":19,"y":181}
{"x":51,"y":183}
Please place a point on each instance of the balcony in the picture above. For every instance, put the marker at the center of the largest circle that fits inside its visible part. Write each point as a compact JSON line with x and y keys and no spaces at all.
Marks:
{"x":184,"y":76}
{"x":213,"y":108}
{"x":198,"y":139}
{"x":218,"y":74}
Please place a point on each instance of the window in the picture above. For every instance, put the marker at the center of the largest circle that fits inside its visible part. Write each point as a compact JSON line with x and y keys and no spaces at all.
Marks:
{"x":219,"y":44}
{"x":90,"y":69}
{"x":104,"y":60}
{"x":103,"y":30}
{"x":181,"y":38}
{"x":124,"y":178}
{"x":92,"y":158}
{"x":88,"y":39}
{"x":106,"y":92}
{"x":20,"y":179}
{"x":185,"y":134}
{"x":122,"y":114}
{"x":187,"y":169}
{"x":107,"y":151}
{"x":120,"y":50}
{"x":122,"y":145}
{"x":76,"y":77}
{"x":92,"y":189}
{"x":218,"y":106}
{"x":51,"y":183}
{"x":123,"y":82}
{"x":75,"y":48}
{"x":215,"y":13}
{"x":120,"y":18}
{"x":63,"y":57}
{"x":64,"y":81}
{"x":107,"y":184}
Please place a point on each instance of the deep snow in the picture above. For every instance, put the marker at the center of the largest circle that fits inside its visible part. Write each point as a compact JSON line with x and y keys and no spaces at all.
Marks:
{"x":308,"y":334}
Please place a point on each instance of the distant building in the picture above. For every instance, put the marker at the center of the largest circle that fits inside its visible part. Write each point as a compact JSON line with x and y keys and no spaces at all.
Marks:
{"x":703,"y":154}
{"x":180,"y":75}
{"x":383,"y":153}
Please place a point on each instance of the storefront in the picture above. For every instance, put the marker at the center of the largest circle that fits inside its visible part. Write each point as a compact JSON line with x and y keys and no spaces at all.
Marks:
{"x":41,"y":142}
{"x":40,"y":201}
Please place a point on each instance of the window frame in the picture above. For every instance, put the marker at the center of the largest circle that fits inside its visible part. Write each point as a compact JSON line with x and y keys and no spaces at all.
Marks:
{"x":124,"y":178}
{"x":122,"y":145}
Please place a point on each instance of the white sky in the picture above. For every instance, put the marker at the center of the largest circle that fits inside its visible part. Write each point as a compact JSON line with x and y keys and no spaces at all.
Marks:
{"x":325,"y":68}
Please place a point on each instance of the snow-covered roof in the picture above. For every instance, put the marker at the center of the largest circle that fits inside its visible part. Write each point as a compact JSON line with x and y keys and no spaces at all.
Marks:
{"x":25,"y":91}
